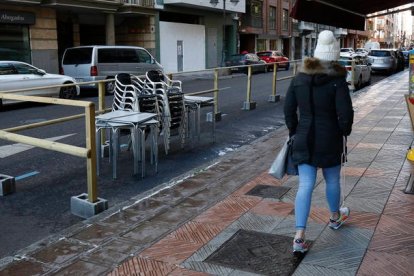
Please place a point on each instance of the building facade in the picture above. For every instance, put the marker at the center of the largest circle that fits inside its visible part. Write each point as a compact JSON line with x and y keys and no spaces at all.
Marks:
{"x":183,"y":35}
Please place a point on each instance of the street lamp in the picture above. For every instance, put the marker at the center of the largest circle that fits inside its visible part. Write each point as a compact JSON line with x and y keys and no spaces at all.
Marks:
{"x":214,"y":3}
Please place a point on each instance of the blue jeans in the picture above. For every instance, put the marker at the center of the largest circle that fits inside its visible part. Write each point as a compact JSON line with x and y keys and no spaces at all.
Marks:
{"x":307,"y":179}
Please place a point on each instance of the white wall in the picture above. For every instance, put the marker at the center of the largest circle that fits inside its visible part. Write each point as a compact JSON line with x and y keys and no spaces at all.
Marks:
{"x":239,"y":7}
{"x":193,"y":37}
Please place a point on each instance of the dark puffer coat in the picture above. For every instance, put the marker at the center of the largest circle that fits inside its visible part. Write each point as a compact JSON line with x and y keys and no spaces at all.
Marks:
{"x":319,"y":131}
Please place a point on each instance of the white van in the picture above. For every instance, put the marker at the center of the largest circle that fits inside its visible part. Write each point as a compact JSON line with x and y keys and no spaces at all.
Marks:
{"x":92,"y":63}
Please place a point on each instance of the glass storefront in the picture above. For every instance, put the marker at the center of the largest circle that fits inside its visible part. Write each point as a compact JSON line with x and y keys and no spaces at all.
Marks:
{"x":15,"y":42}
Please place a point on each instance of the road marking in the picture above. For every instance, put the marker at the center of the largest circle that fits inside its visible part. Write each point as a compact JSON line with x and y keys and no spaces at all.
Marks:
{"x":6,"y":151}
{"x":26,"y":175}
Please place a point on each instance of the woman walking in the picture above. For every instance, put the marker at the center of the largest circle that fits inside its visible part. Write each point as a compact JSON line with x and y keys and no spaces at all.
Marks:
{"x":318,"y":113}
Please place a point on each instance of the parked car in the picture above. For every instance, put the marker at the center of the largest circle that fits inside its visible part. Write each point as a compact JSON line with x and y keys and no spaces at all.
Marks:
{"x":406,"y":57}
{"x":274,"y":56}
{"x":241,"y":60}
{"x":362,"y":71}
{"x":346,"y":52}
{"x":20,"y":75}
{"x":361,"y":52}
{"x":400,"y":59}
{"x":383,"y":60}
{"x":94,"y":63}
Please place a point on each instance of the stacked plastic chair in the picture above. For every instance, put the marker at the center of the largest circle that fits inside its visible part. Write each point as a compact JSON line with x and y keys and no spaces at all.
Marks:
{"x":126,"y":99}
{"x":171,"y":104}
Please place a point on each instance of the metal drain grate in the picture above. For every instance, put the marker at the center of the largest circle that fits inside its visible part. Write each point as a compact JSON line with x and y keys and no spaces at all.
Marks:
{"x":262,"y":253}
{"x":267,"y":191}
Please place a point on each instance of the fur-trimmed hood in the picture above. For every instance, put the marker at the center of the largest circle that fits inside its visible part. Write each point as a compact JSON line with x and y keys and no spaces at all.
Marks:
{"x":321,"y":71}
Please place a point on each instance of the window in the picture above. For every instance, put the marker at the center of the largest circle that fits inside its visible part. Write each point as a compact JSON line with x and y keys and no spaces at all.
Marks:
{"x":285,"y":20}
{"x":14,"y":43}
{"x":261,"y":45}
{"x":78,"y":56}
{"x":144,"y":57}
{"x":25,"y":69}
{"x":256,"y":13}
{"x":272,"y":18}
{"x":7,"y":69}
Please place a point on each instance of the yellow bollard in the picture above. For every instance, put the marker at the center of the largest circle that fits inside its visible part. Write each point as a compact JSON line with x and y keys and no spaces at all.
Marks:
{"x":273,"y":97}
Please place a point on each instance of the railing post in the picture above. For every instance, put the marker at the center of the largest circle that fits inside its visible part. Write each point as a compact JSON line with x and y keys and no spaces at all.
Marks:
{"x":273,"y":97}
{"x":91,"y":159}
{"x":101,"y":93}
{"x":352,"y":75}
{"x":217,"y":114}
{"x":249,"y":104}
{"x":88,"y":205}
{"x":295,"y":68}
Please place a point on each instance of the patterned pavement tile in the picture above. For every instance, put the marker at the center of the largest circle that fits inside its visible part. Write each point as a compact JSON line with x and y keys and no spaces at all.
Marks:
{"x":186,"y":272}
{"x":369,"y":146}
{"x":242,"y":191}
{"x":287,"y":228}
{"x":268,"y":191}
{"x":314,"y":270}
{"x":227,"y":211}
{"x":363,"y":220}
{"x":319,"y":215}
{"x":395,"y":224}
{"x":358,"y":203}
{"x":142,"y":266}
{"x":354,"y":171}
{"x":254,"y":222}
{"x":331,"y":256}
{"x":196,"y":232}
{"x":24,"y":267}
{"x":370,"y":193}
{"x":81,"y":267}
{"x":381,"y":263}
{"x":211,"y":269}
{"x":345,"y":237}
{"x":272,"y":208}
{"x":170,"y":250}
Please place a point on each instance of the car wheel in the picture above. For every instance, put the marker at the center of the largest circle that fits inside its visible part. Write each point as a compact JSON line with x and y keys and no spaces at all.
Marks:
{"x":109,"y":88}
{"x":67,"y":92}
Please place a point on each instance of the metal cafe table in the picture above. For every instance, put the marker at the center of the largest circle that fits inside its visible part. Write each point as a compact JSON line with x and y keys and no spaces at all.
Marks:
{"x":195,"y":103}
{"x":136,"y":122}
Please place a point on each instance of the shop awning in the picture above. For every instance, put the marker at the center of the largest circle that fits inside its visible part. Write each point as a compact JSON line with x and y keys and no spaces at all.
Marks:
{"x":349,"y":14}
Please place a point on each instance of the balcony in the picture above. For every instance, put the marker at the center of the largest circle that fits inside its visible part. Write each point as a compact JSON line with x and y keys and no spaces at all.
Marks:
{"x":23,"y":1}
{"x":141,"y":3}
{"x":240,"y":7}
{"x":341,"y":32}
{"x":101,"y":5}
{"x":306,"y":26}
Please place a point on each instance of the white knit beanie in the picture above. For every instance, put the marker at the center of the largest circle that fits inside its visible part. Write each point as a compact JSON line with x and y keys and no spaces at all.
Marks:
{"x":327,"y":47}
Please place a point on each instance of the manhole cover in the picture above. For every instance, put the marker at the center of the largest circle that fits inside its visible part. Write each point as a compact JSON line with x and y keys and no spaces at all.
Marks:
{"x":262,"y":253}
{"x":267,"y":191}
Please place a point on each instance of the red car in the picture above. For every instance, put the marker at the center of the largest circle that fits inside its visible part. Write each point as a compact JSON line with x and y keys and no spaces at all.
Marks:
{"x":274,"y":56}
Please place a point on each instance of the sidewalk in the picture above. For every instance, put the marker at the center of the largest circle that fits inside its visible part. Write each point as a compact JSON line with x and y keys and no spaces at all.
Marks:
{"x":232,"y":218}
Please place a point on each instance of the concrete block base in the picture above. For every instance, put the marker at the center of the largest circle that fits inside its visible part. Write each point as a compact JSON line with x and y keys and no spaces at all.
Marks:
{"x":81,"y":207}
{"x":7,"y":184}
{"x":274,"y":98}
{"x":209,"y":117}
{"x":249,"y":105}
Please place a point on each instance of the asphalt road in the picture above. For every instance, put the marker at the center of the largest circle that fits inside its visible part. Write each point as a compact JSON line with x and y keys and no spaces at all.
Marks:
{"x":45,"y":180}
